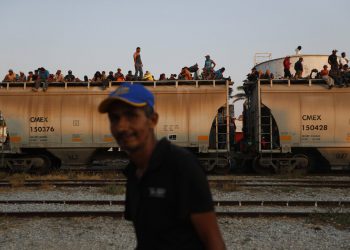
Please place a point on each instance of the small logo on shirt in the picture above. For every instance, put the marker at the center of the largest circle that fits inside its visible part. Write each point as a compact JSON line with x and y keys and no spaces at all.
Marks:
{"x":156,"y":192}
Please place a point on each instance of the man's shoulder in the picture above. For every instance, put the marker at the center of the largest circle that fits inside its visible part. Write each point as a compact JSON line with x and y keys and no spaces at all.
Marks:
{"x":174,"y":153}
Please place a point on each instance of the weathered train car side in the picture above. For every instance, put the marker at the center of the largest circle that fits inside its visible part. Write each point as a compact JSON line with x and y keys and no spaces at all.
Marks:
{"x":64,"y":121}
{"x":300,"y":124}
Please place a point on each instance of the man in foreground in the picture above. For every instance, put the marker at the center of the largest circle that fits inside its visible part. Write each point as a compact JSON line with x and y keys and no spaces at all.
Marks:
{"x":167,"y":197}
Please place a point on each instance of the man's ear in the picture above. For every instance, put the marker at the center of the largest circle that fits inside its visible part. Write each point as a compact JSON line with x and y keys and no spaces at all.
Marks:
{"x":154,"y":119}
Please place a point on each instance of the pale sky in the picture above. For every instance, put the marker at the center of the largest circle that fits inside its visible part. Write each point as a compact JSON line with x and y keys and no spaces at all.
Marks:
{"x":86,"y":36}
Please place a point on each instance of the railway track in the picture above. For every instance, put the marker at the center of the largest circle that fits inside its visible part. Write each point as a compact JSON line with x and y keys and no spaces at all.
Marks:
{"x":228,"y":208}
{"x":244,"y":183}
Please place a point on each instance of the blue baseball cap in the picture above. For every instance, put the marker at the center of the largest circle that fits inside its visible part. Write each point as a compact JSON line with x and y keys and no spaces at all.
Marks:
{"x":133,"y":94}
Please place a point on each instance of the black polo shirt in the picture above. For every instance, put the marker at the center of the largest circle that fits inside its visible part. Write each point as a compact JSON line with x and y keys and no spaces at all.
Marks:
{"x":159,"y":204}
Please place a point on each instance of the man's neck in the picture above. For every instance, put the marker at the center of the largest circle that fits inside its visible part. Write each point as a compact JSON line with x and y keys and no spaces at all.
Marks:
{"x":142,"y":157}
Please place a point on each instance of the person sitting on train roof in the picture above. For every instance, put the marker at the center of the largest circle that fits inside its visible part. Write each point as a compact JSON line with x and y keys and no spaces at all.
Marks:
{"x":343,"y":60}
{"x":103,"y":75}
{"x":219,"y":74}
{"x":70,"y":77}
{"x":119,"y":76}
{"x":253,"y":75}
{"x":148,"y":76}
{"x":162,"y":77}
{"x":325,"y":76}
{"x":110,"y":76}
{"x":172,"y":77}
{"x":51,"y":78}
{"x":267,"y":75}
{"x":298,"y":67}
{"x":185,"y":74}
{"x":345,"y":75}
{"x":10,"y":77}
{"x":86,"y":78}
{"x":59,"y":76}
{"x":22,"y":77}
{"x":30,"y":76}
{"x":297,"y":50}
{"x":194,"y":69}
{"x":36,"y":75}
{"x":43,"y":76}
{"x":129,"y":76}
{"x":97,"y":77}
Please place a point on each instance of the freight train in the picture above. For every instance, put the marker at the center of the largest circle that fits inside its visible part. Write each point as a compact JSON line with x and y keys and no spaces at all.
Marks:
{"x":62,"y":127}
{"x":288,"y":125}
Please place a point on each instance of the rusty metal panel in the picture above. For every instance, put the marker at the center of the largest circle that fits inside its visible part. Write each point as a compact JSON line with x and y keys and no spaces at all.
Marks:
{"x":317,"y":119}
{"x":203,"y":109}
{"x":33,"y":120}
{"x":342,"y":117}
{"x":100,"y":124}
{"x":310,"y":116}
{"x":173,"y":110}
{"x":76,"y":119}
{"x":285,"y":108}
{"x":186,"y":113}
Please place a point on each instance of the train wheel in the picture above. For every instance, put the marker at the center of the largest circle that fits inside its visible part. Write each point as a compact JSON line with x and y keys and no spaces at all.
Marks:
{"x":301,"y":165}
{"x":41,"y":164}
{"x":262,"y":169}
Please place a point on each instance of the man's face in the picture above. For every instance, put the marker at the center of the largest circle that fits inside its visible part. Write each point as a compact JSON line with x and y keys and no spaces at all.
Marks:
{"x":131,"y":127}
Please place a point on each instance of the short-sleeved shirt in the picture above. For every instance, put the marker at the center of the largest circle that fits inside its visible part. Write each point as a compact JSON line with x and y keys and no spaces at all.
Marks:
{"x":161,"y":202}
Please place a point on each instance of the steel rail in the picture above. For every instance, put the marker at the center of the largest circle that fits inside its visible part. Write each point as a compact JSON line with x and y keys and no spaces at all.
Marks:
{"x":217,"y":203}
{"x":243,"y":183}
{"x":120,"y":214}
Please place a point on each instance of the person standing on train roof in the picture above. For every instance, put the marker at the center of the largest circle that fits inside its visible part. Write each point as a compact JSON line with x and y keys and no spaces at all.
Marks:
{"x":299,"y":68}
{"x":209,"y":64}
{"x":138,"y":64}
{"x":286,"y":66}
{"x":167,"y":194}
{"x":297,"y":50}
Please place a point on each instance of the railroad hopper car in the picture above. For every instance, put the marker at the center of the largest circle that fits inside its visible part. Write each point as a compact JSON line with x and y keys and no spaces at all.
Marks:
{"x":297,"y":125}
{"x":62,"y":126}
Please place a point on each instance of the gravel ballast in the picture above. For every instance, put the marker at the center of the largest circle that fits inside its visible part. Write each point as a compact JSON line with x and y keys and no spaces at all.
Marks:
{"x":112,"y":233}
{"x":109,"y":233}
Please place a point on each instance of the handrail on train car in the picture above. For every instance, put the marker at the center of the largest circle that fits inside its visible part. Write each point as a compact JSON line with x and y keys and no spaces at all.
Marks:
{"x":109,"y":84}
{"x":289,"y":82}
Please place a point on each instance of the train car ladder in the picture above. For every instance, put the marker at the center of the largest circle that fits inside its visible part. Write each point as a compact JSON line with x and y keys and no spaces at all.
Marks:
{"x":221,"y":126}
{"x":266,"y":136}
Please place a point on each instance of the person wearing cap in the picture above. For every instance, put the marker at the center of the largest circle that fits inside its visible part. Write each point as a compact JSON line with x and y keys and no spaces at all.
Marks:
{"x":209,"y":64}
{"x":167,"y":194}
{"x":10,"y":77}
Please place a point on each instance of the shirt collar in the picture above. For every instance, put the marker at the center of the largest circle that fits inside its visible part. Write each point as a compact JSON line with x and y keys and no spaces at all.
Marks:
{"x":159,"y":154}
